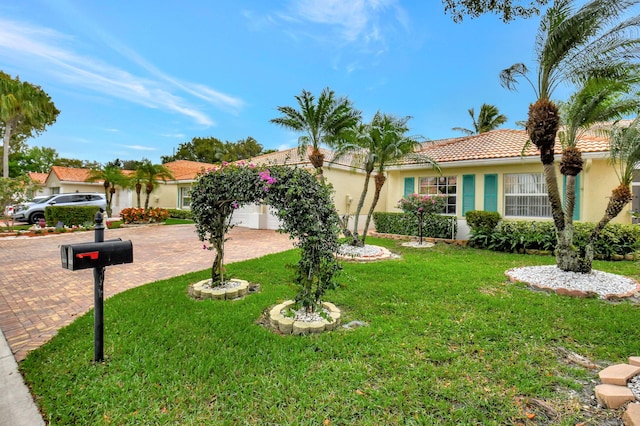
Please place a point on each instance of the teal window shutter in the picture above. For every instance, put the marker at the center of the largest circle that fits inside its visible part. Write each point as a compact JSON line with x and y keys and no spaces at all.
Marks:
{"x":491,"y":193}
{"x":468,"y":193}
{"x":409,"y":185}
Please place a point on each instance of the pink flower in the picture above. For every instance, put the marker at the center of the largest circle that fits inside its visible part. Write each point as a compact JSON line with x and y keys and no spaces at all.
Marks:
{"x":234,"y":205}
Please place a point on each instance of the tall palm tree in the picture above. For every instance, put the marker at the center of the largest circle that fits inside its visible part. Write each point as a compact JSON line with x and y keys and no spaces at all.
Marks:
{"x":376,"y":146}
{"x":571,"y":46}
{"x":25,"y":106}
{"x":111,"y":176}
{"x":321,"y":122}
{"x":150,"y":174}
{"x":489,"y":119}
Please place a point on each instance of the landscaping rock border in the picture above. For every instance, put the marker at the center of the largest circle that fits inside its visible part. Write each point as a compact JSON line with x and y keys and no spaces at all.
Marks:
{"x":203,"y":290}
{"x":285,"y":325}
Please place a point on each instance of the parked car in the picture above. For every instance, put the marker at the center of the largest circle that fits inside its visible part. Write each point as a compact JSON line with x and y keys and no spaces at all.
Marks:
{"x":8,"y":210}
{"x":33,"y":212}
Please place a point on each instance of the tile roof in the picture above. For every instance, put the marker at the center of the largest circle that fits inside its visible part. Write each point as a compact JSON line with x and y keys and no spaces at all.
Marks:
{"x":38,"y":177}
{"x":71,"y":174}
{"x":291,"y":157}
{"x":186,"y":170}
{"x":498,"y":144}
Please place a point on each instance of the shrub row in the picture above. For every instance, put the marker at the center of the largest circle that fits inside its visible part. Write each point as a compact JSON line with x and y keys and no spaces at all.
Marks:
{"x":521,"y":236}
{"x":70,"y":215}
{"x":435,"y":226}
{"x":180,"y":214}
{"x":132,"y":215}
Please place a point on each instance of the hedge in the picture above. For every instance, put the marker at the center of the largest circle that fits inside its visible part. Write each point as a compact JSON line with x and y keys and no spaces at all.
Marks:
{"x":522,"y":236}
{"x":70,"y":215}
{"x":180,"y":214}
{"x":435,"y":226}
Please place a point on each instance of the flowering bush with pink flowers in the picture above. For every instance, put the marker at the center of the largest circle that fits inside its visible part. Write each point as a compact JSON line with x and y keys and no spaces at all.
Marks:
{"x":133,"y":215}
{"x":421,"y":205}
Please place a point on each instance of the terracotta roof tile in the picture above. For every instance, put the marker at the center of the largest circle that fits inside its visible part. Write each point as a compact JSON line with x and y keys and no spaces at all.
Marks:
{"x":71,"y":174}
{"x":38,"y":177}
{"x":186,"y":170}
{"x":497,"y":144}
{"x":291,"y":157}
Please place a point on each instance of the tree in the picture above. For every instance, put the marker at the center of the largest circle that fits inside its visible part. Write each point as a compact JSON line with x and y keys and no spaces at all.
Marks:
{"x":508,"y":9}
{"x":241,"y":150}
{"x":111,"y":176}
{"x":15,"y":191}
{"x":489,"y":119}
{"x":321,"y":122}
{"x":37,"y":159}
{"x":375,"y":146}
{"x":77,"y":164}
{"x":203,"y":150}
{"x":572,"y":46}
{"x":148,"y":175}
{"x":22,"y":106}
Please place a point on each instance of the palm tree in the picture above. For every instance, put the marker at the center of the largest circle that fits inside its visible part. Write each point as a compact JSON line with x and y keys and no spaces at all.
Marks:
{"x":322,"y":123}
{"x":111,"y":176}
{"x":24,"y":106}
{"x":489,"y":119}
{"x":149,"y":174}
{"x":571,"y":46}
{"x":376,"y":146}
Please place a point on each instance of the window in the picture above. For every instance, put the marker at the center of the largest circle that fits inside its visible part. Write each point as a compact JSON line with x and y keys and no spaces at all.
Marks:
{"x":185,"y":198}
{"x":55,"y":190}
{"x":526,"y":195}
{"x":442,"y":185}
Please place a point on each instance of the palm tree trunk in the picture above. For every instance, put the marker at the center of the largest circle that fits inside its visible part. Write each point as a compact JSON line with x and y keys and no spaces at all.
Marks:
{"x":317,"y":161}
{"x":355,"y":240}
{"x":138,"y":191}
{"x":380,"y":180}
{"x":5,"y":151}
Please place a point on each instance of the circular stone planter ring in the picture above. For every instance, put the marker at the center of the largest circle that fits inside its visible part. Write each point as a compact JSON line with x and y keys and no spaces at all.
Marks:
{"x":234,"y":289}
{"x":286,"y":325}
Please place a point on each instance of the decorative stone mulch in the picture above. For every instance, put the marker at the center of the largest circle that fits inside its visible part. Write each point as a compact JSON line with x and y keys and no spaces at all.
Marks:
{"x":417,"y":244}
{"x":281,"y":322}
{"x":368,"y":253}
{"x":233,"y":289}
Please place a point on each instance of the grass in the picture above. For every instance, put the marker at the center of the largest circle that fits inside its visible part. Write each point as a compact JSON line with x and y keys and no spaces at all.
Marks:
{"x":176,"y":221}
{"x":449,"y":342}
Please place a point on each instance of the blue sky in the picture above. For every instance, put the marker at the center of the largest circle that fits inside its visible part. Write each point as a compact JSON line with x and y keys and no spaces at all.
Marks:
{"x":134,"y":79}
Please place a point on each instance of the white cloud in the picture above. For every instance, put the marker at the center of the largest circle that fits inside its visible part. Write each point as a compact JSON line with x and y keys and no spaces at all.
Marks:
{"x":140,"y":147}
{"x":47,"y":51}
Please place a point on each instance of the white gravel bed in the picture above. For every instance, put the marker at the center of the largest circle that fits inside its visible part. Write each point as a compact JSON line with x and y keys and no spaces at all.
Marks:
{"x":366,"y":251}
{"x":304,"y":316}
{"x":550,"y":276}
{"x":416,"y":244}
{"x":227,"y":285}
{"x":634,"y":385}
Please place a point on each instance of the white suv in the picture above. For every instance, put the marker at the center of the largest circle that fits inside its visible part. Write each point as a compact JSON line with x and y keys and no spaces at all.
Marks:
{"x":34,"y":212}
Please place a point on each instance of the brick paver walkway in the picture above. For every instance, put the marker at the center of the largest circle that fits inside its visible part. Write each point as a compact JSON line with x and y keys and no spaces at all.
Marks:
{"x":38,"y":297}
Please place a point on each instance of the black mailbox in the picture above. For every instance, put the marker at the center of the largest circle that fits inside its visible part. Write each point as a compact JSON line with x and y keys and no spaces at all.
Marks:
{"x":96,"y":255}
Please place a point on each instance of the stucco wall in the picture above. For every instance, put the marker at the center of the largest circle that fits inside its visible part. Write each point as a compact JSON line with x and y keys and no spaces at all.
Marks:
{"x":596,"y":182}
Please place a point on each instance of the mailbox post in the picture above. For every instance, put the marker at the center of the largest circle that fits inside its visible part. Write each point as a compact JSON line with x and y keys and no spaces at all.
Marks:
{"x":97,"y":255}
{"x":98,"y":296}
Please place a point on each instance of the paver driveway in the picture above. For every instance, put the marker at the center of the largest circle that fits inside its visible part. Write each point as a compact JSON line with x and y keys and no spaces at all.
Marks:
{"x":38,"y":297}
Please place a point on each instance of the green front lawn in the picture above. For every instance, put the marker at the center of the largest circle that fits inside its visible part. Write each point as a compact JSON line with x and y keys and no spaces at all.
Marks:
{"x":448,"y":341}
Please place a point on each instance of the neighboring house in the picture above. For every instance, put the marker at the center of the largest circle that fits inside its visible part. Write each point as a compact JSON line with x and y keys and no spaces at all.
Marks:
{"x":63,"y":180}
{"x":174,"y":194}
{"x":39,"y":179}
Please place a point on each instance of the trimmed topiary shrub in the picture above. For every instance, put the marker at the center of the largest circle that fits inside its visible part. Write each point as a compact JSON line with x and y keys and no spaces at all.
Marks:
{"x":70,"y":215}
{"x":482,"y":225}
{"x":434,"y":226}
{"x":180,"y":214}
